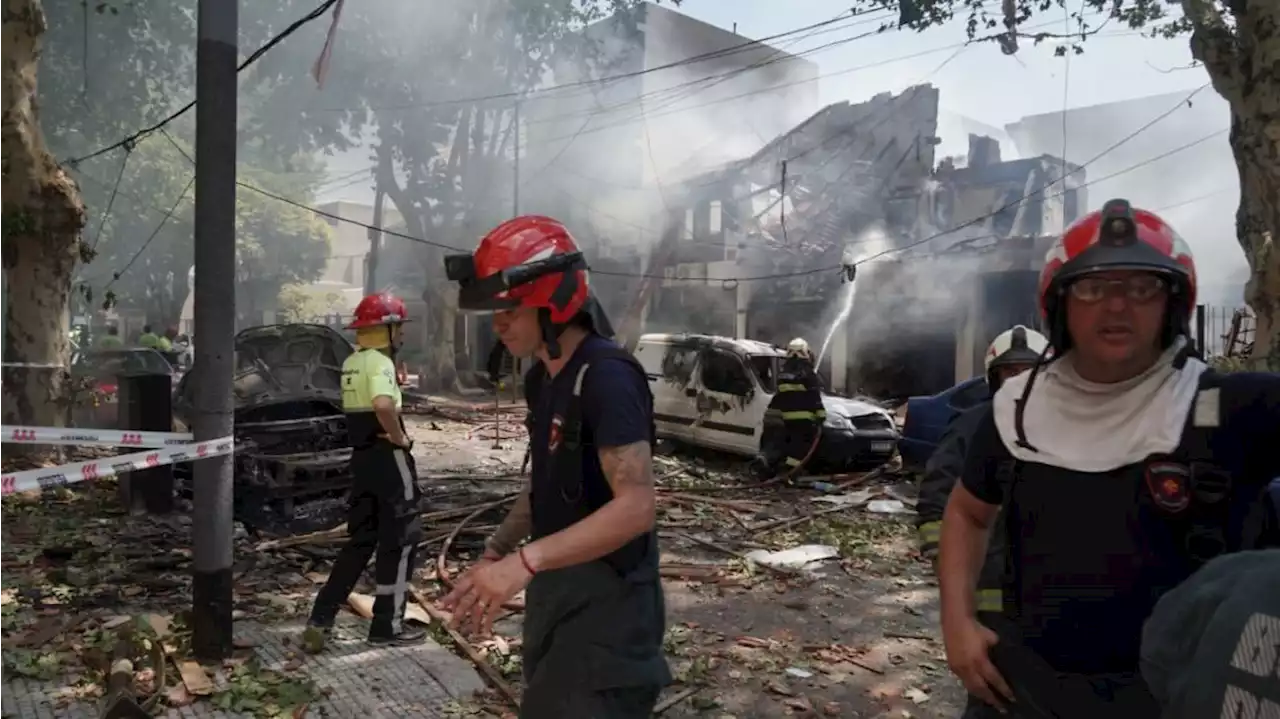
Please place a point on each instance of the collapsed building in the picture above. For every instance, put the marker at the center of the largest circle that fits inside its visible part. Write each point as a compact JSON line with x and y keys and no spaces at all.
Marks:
{"x":755,"y":248}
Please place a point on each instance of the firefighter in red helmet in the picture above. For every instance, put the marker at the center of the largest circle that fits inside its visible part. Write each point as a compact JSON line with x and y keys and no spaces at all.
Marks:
{"x":595,"y":616}
{"x":1165,"y":459}
{"x":384,"y":515}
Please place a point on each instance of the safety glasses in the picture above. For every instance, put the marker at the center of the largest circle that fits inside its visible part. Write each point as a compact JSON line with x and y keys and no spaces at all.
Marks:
{"x":1140,"y":288}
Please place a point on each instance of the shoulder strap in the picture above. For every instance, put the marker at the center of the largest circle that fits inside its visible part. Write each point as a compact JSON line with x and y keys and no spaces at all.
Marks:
{"x":1210,"y":485}
{"x":572,"y":429}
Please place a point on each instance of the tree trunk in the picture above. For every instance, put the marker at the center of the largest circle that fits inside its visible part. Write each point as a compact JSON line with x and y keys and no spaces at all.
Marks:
{"x":1255,"y":138}
{"x":43,"y":216}
{"x":440,"y":295}
{"x":1244,"y":65}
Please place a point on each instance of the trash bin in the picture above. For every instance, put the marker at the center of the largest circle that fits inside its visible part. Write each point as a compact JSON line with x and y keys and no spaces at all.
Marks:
{"x":146,"y":404}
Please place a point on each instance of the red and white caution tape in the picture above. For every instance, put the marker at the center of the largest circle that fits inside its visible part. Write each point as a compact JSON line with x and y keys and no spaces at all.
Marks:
{"x":92,"y":437}
{"x":111,"y":466}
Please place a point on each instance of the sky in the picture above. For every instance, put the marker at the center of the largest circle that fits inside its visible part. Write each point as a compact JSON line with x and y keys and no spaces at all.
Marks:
{"x":979,"y":82}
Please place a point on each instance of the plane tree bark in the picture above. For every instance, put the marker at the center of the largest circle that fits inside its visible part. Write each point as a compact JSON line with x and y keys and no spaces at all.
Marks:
{"x":1239,"y":45}
{"x":42,"y":220}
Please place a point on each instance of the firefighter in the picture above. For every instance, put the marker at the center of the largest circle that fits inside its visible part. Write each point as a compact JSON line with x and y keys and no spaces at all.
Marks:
{"x":1209,"y":647}
{"x":798,"y":403}
{"x":1011,"y":353}
{"x":383,"y":519}
{"x":1124,"y":465}
{"x":595,"y":613}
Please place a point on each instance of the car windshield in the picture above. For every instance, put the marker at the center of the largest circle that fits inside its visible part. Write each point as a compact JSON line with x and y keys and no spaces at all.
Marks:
{"x":134,"y":361}
{"x":765,"y":367}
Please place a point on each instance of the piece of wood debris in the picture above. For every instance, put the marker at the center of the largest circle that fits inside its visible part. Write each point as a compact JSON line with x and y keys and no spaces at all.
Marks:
{"x":362,"y":604}
{"x":195,"y":679}
{"x":490,"y":673}
{"x":675,"y":699}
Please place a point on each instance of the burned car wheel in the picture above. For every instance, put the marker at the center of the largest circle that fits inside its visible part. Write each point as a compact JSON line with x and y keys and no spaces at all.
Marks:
{"x":292,"y":462}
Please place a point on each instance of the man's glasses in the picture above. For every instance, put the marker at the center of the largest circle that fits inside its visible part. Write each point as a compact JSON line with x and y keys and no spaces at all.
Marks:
{"x":1136,"y":288}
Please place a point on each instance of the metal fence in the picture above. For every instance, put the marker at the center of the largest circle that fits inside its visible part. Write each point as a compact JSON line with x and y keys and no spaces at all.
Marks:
{"x":1223,"y":330}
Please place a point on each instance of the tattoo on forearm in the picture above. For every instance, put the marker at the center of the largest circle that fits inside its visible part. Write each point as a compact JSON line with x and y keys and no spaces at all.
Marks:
{"x":629,"y":465}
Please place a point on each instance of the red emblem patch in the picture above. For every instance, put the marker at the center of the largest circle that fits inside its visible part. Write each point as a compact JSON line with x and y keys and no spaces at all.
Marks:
{"x":557,"y":433}
{"x":1170,"y":485}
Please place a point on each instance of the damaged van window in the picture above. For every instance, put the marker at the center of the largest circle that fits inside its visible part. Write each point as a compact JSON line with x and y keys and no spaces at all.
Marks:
{"x":764,"y":366}
{"x":722,"y":372}
{"x":677,"y":364}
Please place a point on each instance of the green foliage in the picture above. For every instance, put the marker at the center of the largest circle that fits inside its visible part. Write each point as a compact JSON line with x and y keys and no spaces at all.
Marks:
{"x":985,"y":19}
{"x":139,"y":66}
{"x":261,"y":692}
{"x":396,"y":75}
{"x":277,"y":244}
{"x":298,"y":303}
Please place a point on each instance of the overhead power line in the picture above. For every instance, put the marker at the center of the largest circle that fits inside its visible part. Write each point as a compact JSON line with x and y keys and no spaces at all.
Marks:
{"x":607,"y":79}
{"x":154,"y":233}
{"x":254,"y":57}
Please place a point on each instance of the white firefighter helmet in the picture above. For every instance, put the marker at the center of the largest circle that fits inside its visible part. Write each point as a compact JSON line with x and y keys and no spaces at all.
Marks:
{"x":799,"y":347}
{"x":1016,"y":345}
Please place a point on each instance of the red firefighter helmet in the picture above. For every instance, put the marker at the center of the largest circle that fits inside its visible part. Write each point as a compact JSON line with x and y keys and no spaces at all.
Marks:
{"x":529,"y":261}
{"x":383,"y":308}
{"x":1119,"y":237}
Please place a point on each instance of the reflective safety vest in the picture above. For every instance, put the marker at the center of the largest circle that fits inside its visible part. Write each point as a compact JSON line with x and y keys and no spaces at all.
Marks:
{"x":367,"y":375}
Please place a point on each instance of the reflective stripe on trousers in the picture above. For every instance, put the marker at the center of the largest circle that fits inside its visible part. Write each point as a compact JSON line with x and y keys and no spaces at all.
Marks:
{"x":398,"y":590}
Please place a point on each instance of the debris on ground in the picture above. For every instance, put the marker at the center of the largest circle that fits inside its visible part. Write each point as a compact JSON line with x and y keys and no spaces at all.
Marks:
{"x":753,"y":630}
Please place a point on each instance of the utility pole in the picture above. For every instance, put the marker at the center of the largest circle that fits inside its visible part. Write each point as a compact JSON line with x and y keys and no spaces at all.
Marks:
{"x":215,"y":298}
{"x":515,"y":212}
{"x":515,"y":179}
{"x":375,"y":238}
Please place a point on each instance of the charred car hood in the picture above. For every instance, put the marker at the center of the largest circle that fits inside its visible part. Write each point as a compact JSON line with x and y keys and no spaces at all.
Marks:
{"x":283,"y":363}
{"x":850,"y":408}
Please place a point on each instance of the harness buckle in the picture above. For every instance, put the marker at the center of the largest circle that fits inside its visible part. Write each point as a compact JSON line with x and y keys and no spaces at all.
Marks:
{"x":1209,"y":483}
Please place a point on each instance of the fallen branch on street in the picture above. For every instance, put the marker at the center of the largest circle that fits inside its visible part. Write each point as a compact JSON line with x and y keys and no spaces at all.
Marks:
{"x":485,"y":668}
{"x":675,"y":699}
{"x":442,"y":568}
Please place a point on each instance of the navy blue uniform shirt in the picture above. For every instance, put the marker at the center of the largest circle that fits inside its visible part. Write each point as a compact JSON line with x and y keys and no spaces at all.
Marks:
{"x":617,"y":410}
{"x":1243,"y":445}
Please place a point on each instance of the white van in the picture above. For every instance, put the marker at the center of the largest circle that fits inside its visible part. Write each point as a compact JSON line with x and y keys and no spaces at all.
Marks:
{"x":713,"y":392}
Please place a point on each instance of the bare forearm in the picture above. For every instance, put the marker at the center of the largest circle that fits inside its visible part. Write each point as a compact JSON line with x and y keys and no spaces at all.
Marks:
{"x":389,"y":420}
{"x":631,"y":512}
{"x":605,"y":530}
{"x":515,"y":527}
{"x":962,"y":551}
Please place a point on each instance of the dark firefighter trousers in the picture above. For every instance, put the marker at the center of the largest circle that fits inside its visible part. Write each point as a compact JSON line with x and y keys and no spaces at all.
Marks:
{"x":1042,"y":692}
{"x":592,"y":645}
{"x":793,"y":447}
{"x":384,"y":521}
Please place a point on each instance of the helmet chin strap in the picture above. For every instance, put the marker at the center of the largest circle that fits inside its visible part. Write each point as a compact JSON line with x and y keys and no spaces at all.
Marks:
{"x":550,"y":332}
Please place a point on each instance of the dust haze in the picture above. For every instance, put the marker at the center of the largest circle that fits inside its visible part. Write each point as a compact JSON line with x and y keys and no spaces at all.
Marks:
{"x":617,"y":160}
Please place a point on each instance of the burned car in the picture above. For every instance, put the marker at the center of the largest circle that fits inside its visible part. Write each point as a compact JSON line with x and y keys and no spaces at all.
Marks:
{"x":713,"y":392}
{"x":292,"y":459}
